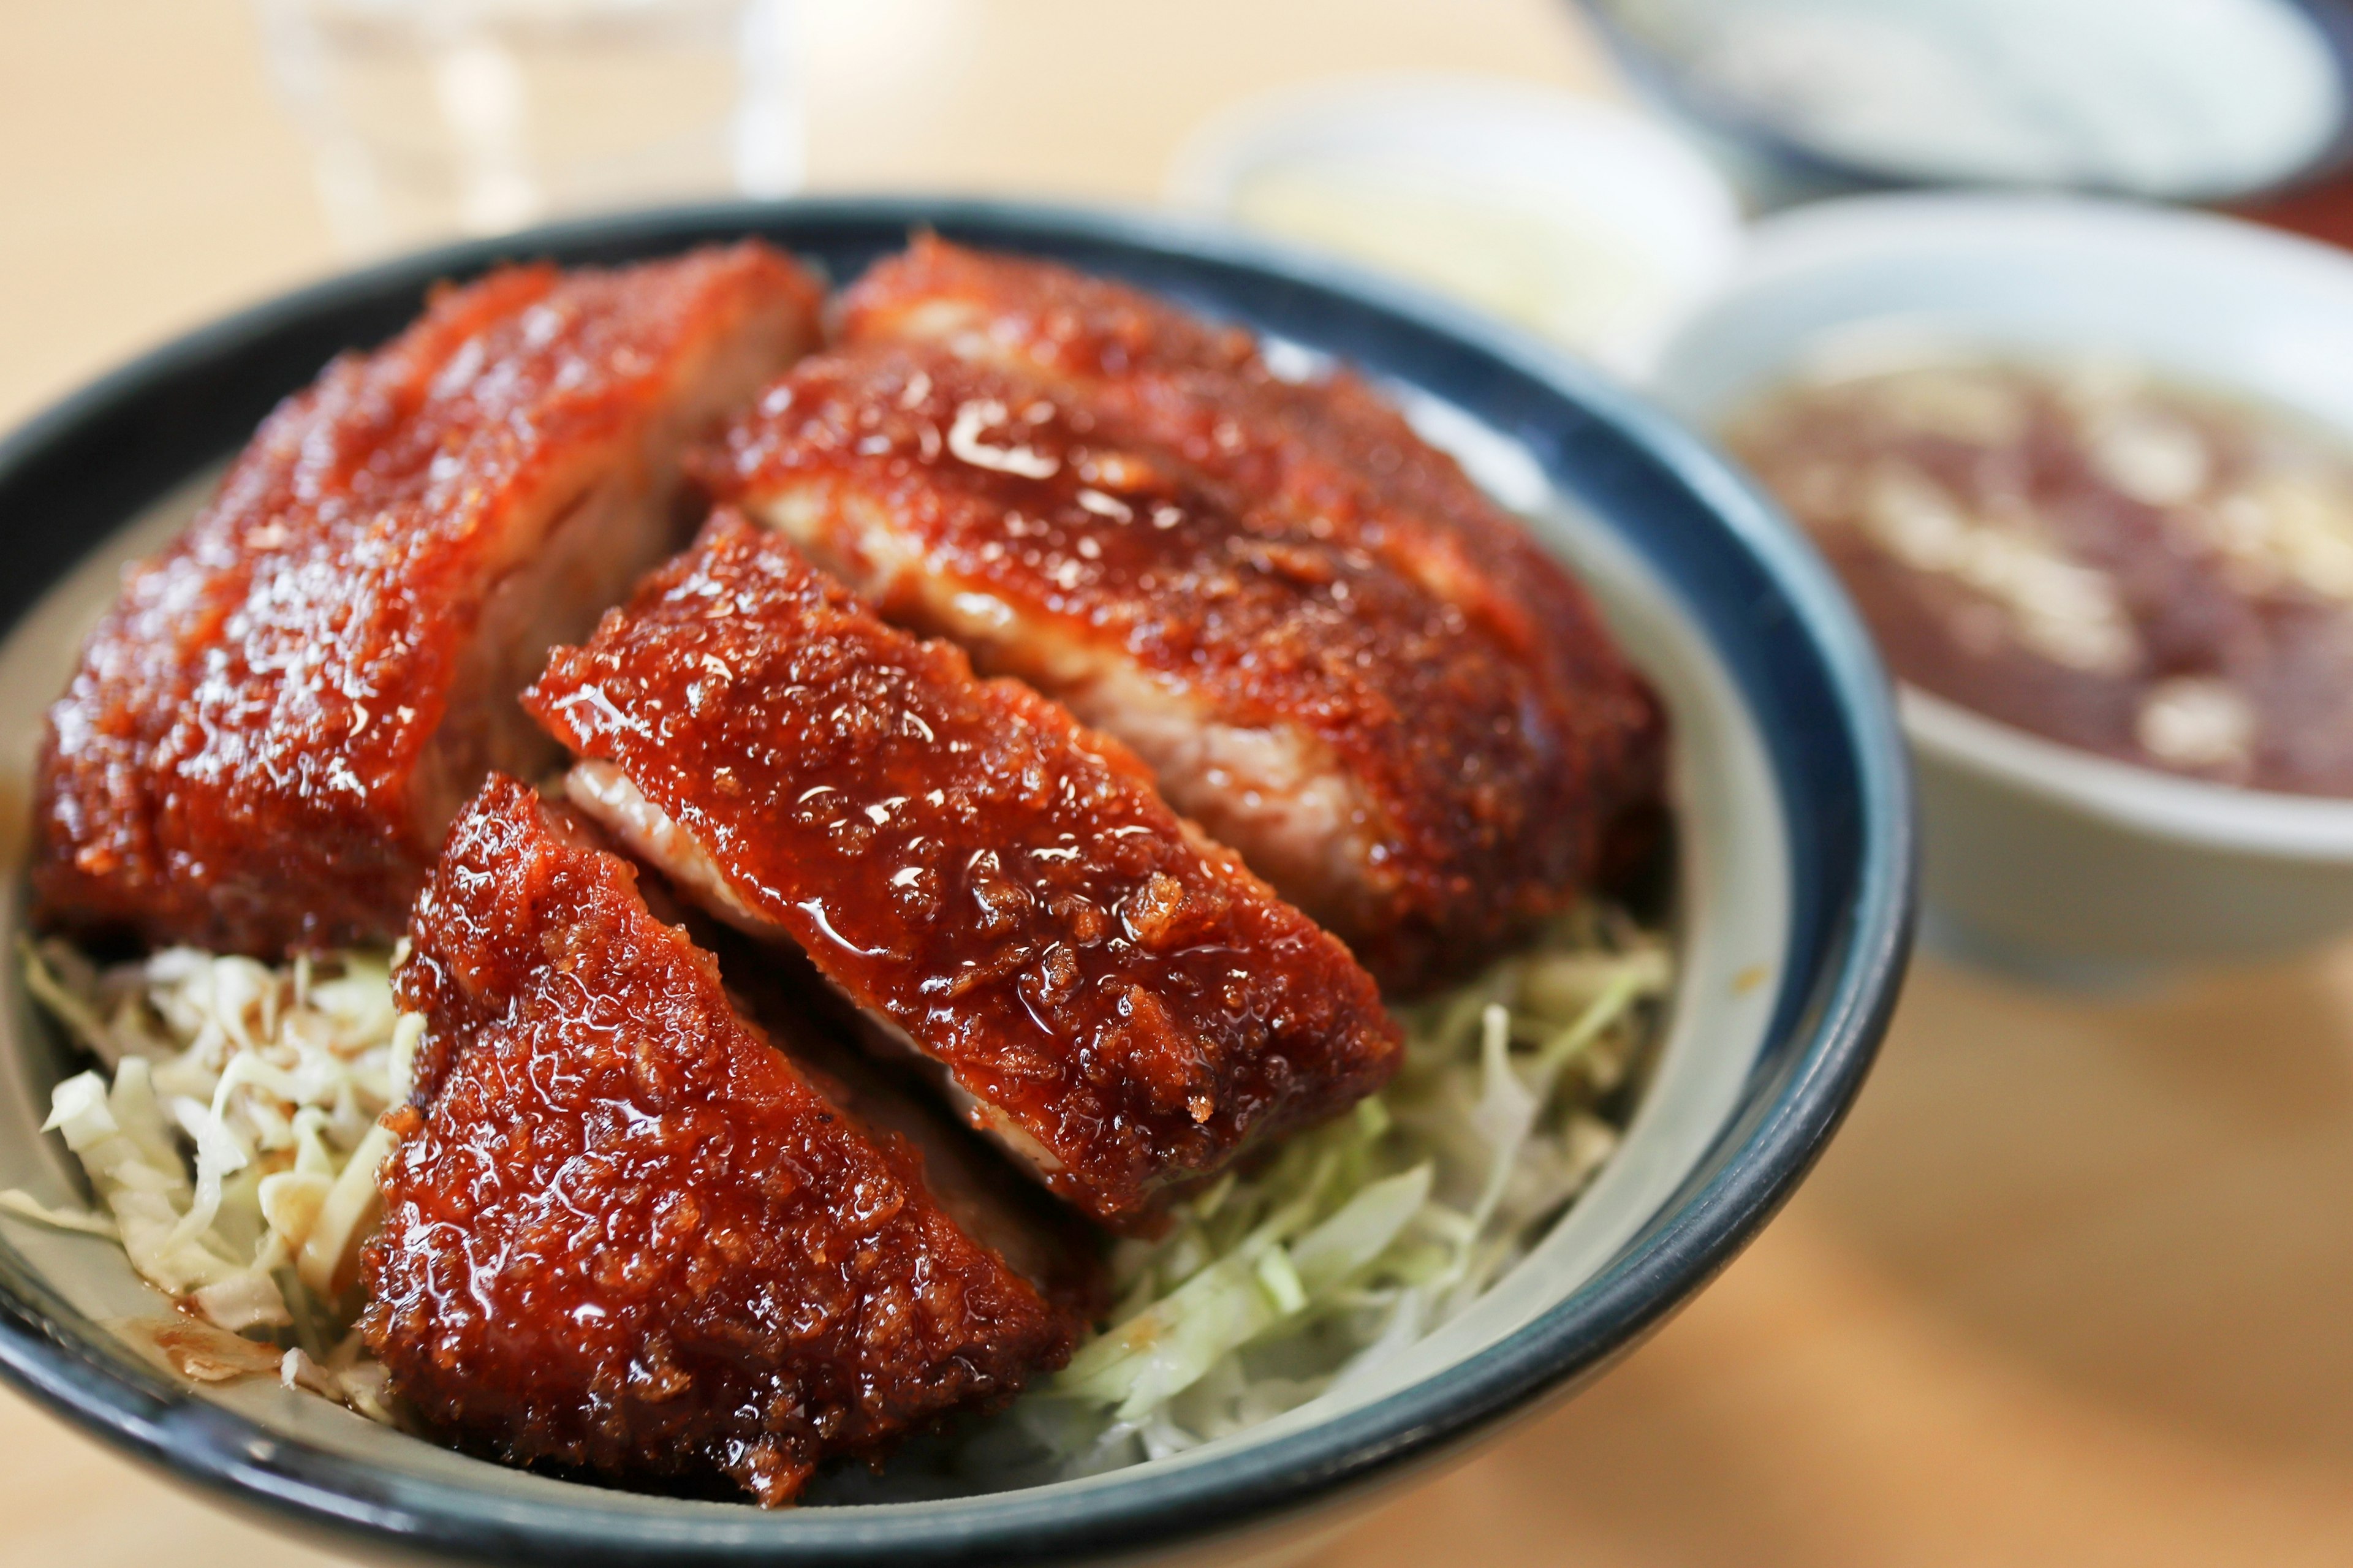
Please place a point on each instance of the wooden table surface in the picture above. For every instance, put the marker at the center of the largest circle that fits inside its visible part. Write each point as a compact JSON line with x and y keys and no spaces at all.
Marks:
{"x":2071,"y":1288}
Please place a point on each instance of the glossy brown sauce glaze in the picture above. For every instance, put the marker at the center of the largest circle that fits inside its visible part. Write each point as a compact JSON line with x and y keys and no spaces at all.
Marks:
{"x":1345,"y":729}
{"x":2142,"y":570}
{"x":625,"y":1231}
{"x":1366,"y":745}
{"x":1326,"y":453}
{"x":975,"y":870}
{"x":268,"y":732}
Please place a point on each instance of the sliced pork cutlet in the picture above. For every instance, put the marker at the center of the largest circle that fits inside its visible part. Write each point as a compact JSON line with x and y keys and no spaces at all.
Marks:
{"x":999,"y":892}
{"x":1324,"y":451}
{"x":1367,"y":747}
{"x":626,"y":1231}
{"x":269,"y":731}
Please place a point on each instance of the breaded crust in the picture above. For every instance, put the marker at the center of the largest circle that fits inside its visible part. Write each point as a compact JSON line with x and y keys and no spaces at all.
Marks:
{"x":627,"y":1232}
{"x":1113,"y":995}
{"x":268,"y":733}
{"x":1326,"y":448}
{"x":1394,"y":763}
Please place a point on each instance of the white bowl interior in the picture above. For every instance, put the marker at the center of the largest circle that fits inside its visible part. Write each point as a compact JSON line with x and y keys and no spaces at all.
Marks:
{"x":2240,"y":94}
{"x":1734,"y":907}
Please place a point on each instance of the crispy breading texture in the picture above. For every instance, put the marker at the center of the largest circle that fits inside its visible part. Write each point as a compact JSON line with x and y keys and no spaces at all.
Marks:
{"x":1114,"y":996}
{"x":269,"y":731}
{"x":1325,"y":449}
{"x":627,"y":1232}
{"x":1361,"y":743}
{"x":1327,"y":456}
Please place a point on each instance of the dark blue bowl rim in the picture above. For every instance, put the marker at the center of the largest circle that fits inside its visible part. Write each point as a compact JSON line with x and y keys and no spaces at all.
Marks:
{"x":1827,"y":1023}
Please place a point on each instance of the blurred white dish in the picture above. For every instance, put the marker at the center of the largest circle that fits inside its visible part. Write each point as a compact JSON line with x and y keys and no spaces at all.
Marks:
{"x":2036,"y":853}
{"x":1587,"y":222}
{"x":2177,"y":100}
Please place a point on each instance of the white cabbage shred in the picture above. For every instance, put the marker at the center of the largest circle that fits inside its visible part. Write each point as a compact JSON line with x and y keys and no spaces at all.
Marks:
{"x":231,"y":1137}
{"x":234,"y":1148}
{"x":1359,"y":1238}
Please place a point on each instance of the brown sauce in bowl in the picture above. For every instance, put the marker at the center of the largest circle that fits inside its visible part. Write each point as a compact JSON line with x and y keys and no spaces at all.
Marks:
{"x":2157,"y":572}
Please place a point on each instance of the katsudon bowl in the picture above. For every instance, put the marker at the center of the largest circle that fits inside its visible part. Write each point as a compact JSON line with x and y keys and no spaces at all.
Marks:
{"x":1786,"y":895}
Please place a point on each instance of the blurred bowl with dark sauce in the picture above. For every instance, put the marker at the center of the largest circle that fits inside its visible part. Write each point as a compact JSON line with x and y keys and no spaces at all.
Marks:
{"x":2086,"y":468}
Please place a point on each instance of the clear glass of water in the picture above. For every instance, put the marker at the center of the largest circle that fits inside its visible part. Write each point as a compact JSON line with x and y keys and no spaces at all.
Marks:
{"x":432,"y":117}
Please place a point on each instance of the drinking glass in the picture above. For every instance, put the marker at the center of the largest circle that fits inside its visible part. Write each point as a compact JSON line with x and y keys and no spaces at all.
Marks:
{"x":431,"y":118}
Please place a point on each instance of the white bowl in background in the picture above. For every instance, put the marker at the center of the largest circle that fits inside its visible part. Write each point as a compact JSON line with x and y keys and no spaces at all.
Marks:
{"x":1588,"y":222}
{"x":2039,"y":854}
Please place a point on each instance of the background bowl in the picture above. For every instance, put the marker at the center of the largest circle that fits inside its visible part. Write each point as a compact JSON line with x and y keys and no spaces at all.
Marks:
{"x":2039,"y":856}
{"x":1586,"y":220}
{"x":1794,"y":869}
{"x":2206,"y":103}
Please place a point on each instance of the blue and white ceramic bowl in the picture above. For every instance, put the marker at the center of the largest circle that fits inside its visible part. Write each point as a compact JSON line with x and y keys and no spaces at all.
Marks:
{"x":1794,"y":826}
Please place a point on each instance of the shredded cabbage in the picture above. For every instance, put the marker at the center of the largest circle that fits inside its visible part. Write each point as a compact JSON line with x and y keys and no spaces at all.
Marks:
{"x":1277,"y":1284}
{"x":232,"y":1141}
{"x":1359,"y":1238}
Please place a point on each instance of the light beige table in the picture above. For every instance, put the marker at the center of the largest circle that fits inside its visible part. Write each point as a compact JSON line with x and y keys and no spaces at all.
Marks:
{"x":2072,"y":1289}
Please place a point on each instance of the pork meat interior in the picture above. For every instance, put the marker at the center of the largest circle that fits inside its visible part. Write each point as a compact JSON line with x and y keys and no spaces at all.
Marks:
{"x":268,"y":733}
{"x":1001,"y":893}
{"x":630,"y":1230}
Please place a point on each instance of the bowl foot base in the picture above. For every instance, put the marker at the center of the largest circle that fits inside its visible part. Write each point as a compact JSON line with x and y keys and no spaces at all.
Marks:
{"x":1953,"y":937}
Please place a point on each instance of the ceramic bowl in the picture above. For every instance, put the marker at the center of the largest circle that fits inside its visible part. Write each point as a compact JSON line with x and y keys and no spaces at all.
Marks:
{"x":1794,"y":869}
{"x":2183,"y":101}
{"x":1585,"y":219}
{"x":2037,"y":855}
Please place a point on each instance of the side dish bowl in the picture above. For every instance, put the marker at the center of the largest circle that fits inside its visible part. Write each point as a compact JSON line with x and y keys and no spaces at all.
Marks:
{"x":2037,"y":855}
{"x":1790,"y":908}
{"x":1578,"y":217}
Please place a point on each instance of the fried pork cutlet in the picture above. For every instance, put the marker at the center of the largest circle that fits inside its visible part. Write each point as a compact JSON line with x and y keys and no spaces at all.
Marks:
{"x":1386,"y":758}
{"x":267,"y":735}
{"x":1327,"y":451}
{"x":626,"y":1231}
{"x":1112,"y":996}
